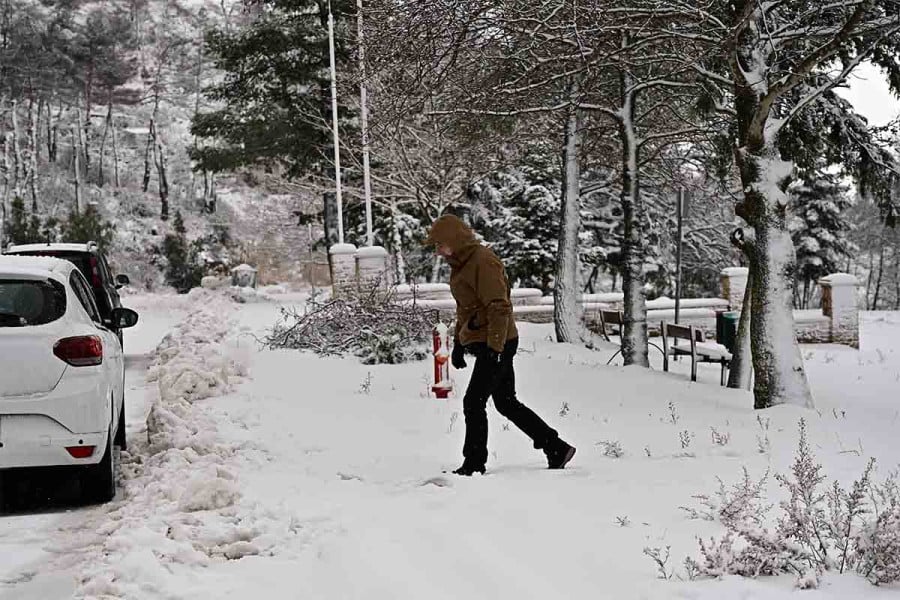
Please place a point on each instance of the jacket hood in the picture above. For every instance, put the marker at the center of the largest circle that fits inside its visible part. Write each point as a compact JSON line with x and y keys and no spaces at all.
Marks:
{"x":450,"y":231}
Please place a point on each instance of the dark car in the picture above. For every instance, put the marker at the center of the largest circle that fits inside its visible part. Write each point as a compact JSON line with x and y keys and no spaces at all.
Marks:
{"x":93,"y":265}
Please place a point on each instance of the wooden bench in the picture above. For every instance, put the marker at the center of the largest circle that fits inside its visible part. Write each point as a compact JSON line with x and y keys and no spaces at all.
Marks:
{"x":697,"y":348}
{"x":616,"y":318}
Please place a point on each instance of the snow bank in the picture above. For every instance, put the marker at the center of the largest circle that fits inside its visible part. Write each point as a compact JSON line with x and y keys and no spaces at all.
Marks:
{"x":181,"y":506}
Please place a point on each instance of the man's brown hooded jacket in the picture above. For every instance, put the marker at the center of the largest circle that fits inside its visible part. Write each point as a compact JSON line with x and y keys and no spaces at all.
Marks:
{"x":478,"y":284}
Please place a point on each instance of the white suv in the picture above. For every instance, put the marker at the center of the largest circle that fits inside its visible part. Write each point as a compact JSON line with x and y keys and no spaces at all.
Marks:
{"x":62,"y":388}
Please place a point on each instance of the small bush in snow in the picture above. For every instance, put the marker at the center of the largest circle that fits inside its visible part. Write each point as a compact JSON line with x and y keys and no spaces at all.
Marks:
{"x":611,"y":449}
{"x":673,"y":413}
{"x":742,"y":503}
{"x":366,"y":386}
{"x":820,"y":528}
{"x":720,"y":439}
{"x":370,"y":325}
{"x":661,"y":557}
{"x":877,"y":543}
{"x":685,"y":437}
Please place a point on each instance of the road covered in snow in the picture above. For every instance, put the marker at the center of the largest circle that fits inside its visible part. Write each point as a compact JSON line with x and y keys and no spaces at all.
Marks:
{"x":278,"y":474}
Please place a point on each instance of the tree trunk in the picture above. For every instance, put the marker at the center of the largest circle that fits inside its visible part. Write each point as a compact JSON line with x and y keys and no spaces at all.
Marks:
{"x":50,"y":157}
{"x":896,"y":273}
{"x":634,"y":335}
{"x":85,"y":130}
{"x":4,"y":200}
{"x":211,"y":202}
{"x":566,"y":308}
{"x":777,"y":362}
{"x":398,"y":245}
{"x":7,"y":168}
{"x":81,"y":138}
{"x":869,"y":279}
{"x":160,"y":159}
{"x":33,"y":149}
{"x":741,"y":363}
{"x":148,"y":151}
{"x":198,"y":93}
{"x":76,"y":168}
{"x":54,"y":144}
{"x":115,"y":148}
{"x":106,"y":125}
{"x":38,"y":141}
{"x":17,"y":165}
{"x":435,"y":269}
{"x":880,"y":275}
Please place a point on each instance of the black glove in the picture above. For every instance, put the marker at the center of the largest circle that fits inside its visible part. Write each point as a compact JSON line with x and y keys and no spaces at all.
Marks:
{"x":458,"y":356}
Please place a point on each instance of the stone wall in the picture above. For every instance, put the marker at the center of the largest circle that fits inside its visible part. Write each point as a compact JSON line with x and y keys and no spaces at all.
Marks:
{"x":837,"y":322}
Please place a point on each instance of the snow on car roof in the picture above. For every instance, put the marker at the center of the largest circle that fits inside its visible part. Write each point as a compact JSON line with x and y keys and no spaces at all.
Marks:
{"x":33,"y":267}
{"x":49,"y":247}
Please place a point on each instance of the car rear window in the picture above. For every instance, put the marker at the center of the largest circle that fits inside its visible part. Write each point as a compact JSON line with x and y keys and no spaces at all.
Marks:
{"x":30,"y":303}
{"x":80,"y":260}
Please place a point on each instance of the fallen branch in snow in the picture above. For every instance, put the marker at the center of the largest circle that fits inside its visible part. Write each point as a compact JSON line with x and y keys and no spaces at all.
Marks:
{"x":370,"y":325}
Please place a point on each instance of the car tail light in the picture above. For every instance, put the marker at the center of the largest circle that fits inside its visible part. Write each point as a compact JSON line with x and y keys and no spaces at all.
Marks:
{"x":80,"y":451}
{"x":95,"y":273}
{"x":81,"y":351}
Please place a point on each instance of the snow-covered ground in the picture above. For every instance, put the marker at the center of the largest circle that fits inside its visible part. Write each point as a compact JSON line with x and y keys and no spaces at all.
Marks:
{"x":284,"y":475}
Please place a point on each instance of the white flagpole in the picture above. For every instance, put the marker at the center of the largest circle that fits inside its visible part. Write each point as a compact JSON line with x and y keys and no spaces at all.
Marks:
{"x":334,"y":127}
{"x":364,"y":122}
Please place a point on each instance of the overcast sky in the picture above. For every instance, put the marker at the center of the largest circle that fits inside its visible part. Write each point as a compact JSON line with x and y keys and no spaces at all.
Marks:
{"x":869,"y":93}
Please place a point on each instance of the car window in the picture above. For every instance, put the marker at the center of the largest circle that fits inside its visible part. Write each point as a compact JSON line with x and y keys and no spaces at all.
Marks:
{"x":29,"y":303}
{"x":79,"y":259}
{"x":107,"y":272}
{"x":84,"y":296}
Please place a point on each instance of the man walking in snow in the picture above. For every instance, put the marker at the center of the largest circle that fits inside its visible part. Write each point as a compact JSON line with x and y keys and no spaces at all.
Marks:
{"x":485,"y":328}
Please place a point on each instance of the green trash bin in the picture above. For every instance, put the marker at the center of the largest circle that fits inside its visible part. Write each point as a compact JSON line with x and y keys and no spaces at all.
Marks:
{"x":727,"y":327}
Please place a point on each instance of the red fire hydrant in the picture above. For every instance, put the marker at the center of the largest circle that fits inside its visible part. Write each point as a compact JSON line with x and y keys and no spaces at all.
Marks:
{"x":442,"y":385}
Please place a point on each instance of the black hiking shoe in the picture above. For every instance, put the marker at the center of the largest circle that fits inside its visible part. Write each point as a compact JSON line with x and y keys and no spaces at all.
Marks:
{"x":559,"y":454}
{"x":467,"y":470}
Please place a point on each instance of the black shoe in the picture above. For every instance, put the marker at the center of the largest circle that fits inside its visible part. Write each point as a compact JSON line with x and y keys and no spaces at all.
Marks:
{"x":467,"y":470}
{"x":559,"y":454}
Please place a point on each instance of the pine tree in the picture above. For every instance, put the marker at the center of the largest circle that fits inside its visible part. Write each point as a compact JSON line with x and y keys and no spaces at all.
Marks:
{"x":819,"y":229}
{"x":275,"y":90}
{"x":516,"y":210}
{"x":183,"y":273}
{"x":88,"y":226}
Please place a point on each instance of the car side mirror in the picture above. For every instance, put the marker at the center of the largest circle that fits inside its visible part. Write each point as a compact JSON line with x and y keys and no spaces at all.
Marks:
{"x":122,"y":280}
{"x":123,"y":318}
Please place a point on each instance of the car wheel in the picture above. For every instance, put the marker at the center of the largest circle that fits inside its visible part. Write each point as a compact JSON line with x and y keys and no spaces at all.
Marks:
{"x":98,"y":482}
{"x":120,"y":433}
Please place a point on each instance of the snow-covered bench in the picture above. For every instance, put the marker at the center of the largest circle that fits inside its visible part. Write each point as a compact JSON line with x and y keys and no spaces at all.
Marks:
{"x":697,"y":348}
{"x":616,"y":319}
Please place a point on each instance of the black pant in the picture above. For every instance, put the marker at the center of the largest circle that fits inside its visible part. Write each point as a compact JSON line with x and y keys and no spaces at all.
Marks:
{"x":498,"y":381}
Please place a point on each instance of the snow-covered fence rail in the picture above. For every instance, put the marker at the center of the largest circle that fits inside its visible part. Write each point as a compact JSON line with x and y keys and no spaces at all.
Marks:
{"x":836,"y":322}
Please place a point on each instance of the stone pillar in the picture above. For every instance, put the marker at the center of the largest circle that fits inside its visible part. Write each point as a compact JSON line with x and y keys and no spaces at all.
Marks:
{"x":839,"y":303}
{"x":343,"y":269}
{"x":374,"y":267}
{"x":734,"y":284}
{"x":243,"y":276}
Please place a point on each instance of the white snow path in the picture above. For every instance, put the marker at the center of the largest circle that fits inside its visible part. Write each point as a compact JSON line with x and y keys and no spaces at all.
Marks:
{"x":321,"y":478}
